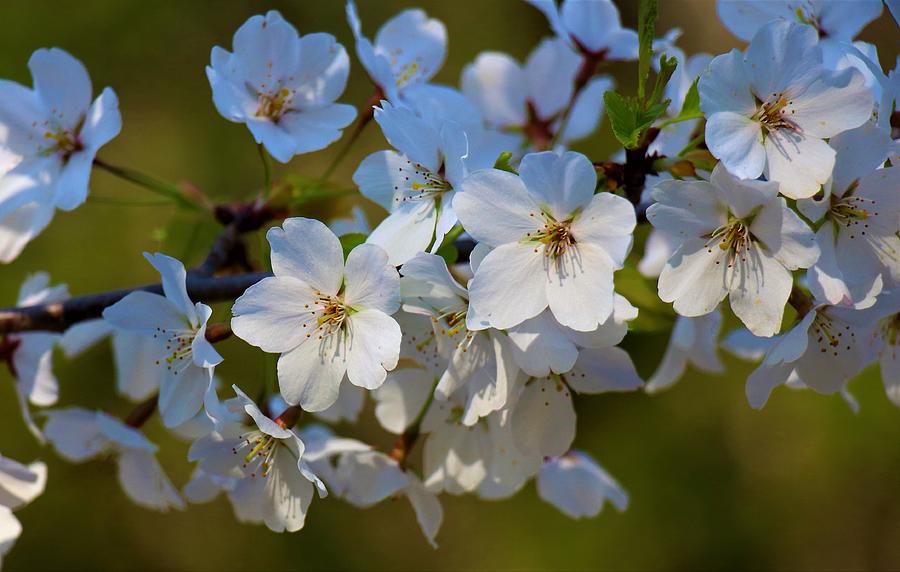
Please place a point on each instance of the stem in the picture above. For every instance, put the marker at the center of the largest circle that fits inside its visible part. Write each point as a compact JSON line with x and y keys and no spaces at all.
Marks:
{"x":365,"y":117}
{"x":267,"y":169}
{"x":142,"y":412}
{"x":218,"y":332}
{"x":801,"y":301}
{"x":407,"y":440}
{"x":58,"y":316}
{"x":169,"y":190}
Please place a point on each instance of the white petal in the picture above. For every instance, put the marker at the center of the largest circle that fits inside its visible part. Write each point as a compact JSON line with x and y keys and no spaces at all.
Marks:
{"x":310,"y":374}
{"x":406,"y":231}
{"x":62,"y":83}
{"x":307,"y":250}
{"x":694,"y":278}
{"x":145,"y":483}
{"x":563,"y":183}
{"x":550,"y":72}
{"x":543,"y":421}
{"x":540,"y":346}
{"x":174,"y":282}
{"x":599,"y":370}
{"x":759,"y":288}
{"x":495,"y":207}
{"x":785,"y":235}
{"x":799,"y":164}
{"x":370,"y":281}
{"x":428,"y":509}
{"x":402,"y":396}
{"x":580,"y":287}
{"x":275,"y":314}
{"x":373,"y":347}
{"x":510,"y":285}
{"x":496,"y":83}
{"x":737,"y":141}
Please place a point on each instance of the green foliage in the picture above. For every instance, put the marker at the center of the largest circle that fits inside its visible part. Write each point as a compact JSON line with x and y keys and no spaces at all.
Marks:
{"x":351,"y":240}
{"x":629,"y":119}
{"x":691,"y":107}
{"x":503,"y":163}
{"x":648,"y":13}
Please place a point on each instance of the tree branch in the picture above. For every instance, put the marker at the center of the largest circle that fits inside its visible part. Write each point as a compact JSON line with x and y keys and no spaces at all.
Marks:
{"x":58,"y":316}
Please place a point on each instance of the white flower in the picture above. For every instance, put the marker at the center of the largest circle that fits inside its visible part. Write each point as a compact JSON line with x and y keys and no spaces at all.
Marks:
{"x":364,"y":477}
{"x":591,"y":27}
{"x":578,"y":486}
{"x":555,"y":242}
{"x":769,"y":110}
{"x":19,"y":485}
{"x":824,"y":349}
{"x":415,"y":185}
{"x":540,"y":345}
{"x":26,"y":208}
{"x":408,"y":50}
{"x":861,"y":208}
{"x":531,"y":99}
{"x":178,"y":326}
{"x":883,"y":341}
{"x":51,"y":134}
{"x":282,"y":86}
{"x":834,"y":20}
{"x":480,"y":362}
{"x":326,"y":320}
{"x":267,"y":457}
{"x":693,"y":341}
{"x":79,"y":435}
{"x":134,"y":354}
{"x":738,"y":239}
{"x":29,"y":355}
{"x":543,"y":417}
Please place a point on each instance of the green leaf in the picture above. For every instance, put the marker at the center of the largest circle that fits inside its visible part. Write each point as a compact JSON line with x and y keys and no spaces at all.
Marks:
{"x":351,"y":240}
{"x":691,"y":107}
{"x":503,"y":164}
{"x":666,"y":69}
{"x":629,"y":119}
{"x":648,"y":12}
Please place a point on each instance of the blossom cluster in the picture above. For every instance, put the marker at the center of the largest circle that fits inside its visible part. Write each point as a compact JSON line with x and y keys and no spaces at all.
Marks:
{"x":769,"y":177}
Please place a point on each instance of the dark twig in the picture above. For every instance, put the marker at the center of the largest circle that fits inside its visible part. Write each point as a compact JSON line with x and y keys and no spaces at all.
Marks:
{"x":58,"y":316}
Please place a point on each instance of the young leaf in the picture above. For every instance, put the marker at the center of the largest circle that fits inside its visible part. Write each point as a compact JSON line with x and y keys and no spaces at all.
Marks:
{"x":629,"y":119}
{"x":503,"y":163}
{"x":648,"y":12}
{"x":666,"y":69}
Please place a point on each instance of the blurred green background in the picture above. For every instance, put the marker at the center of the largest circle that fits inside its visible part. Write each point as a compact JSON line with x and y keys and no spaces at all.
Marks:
{"x":804,"y":484}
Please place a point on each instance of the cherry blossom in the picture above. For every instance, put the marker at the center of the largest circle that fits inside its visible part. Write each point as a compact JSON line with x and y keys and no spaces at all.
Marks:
{"x":29,"y":355}
{"x":178,"y":327}
{"x":594,"y":28}
{"x":416,"y":185}
{"x":267,"y":457}
{"x":78,"y":434}
{"x":532,"y":99}
{"x":769,"y":113}
{"x":693,"y":341}
{"x":408,"y":50}
{"x":555,"y":243}
{"x":324,"y":318}
{"x":19,"y":485}
{"x":579,"y":487}
{"x":283,"y":86}
{"x":738,"y":239}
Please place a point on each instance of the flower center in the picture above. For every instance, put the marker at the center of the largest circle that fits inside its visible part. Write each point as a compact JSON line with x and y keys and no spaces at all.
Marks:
{"x":62,"y":141}
{"x":179,"y":348}
{"x":775,"y":113}
{"x":419,"y":183}
{"x":829,"y":336}
{"x":852,"y":213}
{"x":734,"y":237}
{"x":556,"y":236}
{"x":330,"y":314}
{"x":274,"y":105}
{"x":258,"y":450}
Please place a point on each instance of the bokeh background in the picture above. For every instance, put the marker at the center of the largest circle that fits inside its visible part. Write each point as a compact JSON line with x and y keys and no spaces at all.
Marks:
{"x":804,"y":484}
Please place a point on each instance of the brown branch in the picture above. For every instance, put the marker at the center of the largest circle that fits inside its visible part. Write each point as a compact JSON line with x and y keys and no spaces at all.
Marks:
{"x":142,"y":412}
{"x":801,"y":301}
{"x":58,"y":316}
